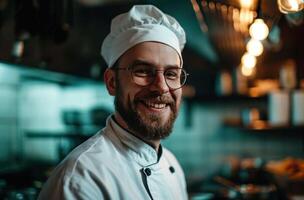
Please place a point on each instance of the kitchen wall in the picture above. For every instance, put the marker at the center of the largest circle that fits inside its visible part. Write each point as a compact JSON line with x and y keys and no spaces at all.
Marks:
{"x":199,"y":140}
{"x":203,"y":147}
{"x":42,"y":109}
{"x":35,"y":106}
{"x":8,"y":114}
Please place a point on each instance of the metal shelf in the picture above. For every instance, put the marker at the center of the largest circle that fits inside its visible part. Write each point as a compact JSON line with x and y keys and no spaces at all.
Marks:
{"x":263,"y":126}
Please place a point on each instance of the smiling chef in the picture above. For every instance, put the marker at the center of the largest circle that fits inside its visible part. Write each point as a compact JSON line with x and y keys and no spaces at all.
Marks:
{"x":125,"y":160}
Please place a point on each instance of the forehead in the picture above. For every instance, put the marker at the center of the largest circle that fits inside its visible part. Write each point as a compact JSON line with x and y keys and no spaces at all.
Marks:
{"x":155,"y":53}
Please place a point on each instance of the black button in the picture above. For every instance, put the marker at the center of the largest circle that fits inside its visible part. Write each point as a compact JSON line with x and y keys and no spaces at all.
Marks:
{"x":148,"y":171}
{"x":172,"y":170}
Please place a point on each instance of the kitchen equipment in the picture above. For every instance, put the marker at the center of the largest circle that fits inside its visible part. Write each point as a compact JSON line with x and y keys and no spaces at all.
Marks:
{"x":248,"y":191}
{"x":99,"y":116}
{"x":250,"y":115}
{"x":224,"y":85}
{"x":72,"y":117}
{"x":297,"y":106}
{"x":96,"y":116}
{"x":288,"y":76}
{"x":279,"y":108}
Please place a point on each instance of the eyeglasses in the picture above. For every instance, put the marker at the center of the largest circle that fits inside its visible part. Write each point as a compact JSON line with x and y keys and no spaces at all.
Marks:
{"x":144,"y":75}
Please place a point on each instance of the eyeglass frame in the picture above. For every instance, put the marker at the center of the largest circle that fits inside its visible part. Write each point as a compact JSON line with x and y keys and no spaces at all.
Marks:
{"x":130,"y":69}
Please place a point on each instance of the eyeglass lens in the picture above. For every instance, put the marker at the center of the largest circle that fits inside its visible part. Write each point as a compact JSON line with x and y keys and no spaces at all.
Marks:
{"x":144,"y":75}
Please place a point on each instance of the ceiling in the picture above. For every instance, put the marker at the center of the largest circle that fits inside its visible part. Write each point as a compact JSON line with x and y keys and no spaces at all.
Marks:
{"x":216,"y":32}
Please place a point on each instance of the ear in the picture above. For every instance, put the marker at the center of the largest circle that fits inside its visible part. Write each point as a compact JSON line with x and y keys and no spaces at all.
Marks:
{"x":109,"y":79}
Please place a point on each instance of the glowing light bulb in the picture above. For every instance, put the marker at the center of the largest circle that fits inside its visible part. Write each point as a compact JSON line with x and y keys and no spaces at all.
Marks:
{"x":258,"y":30}
{"x":290,"y":6}
{"x":246,"y":3}
{"x":248,"y":60}
{"x":246,"y":71}
{"x":254,"y":47}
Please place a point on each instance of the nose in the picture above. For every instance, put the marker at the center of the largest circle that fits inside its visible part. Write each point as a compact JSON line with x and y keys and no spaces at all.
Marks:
{"x":159,"y":84}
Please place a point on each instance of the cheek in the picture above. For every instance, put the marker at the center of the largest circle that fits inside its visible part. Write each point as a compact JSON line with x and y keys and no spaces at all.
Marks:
{"x":126,"y":90}
{"x":129,"y":96}
{"x":177,"y":95}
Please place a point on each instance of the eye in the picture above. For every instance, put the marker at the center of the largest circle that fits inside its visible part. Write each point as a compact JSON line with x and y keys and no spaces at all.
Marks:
{"x":142,"y":71}
{"x":172,"y":74}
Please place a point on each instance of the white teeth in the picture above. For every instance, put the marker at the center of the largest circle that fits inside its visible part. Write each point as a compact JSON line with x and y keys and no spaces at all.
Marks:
{"x":155,"y":105}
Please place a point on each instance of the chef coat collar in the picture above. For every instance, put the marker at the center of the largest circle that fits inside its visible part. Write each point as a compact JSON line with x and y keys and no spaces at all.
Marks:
{"x":142,"y":152}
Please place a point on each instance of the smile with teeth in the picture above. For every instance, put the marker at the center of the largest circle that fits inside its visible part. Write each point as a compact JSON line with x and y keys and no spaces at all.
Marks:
{"x":155,"y":105}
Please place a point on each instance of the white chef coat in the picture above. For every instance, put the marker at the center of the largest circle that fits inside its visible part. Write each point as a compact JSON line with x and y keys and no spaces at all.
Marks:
{"x":114,"y":164}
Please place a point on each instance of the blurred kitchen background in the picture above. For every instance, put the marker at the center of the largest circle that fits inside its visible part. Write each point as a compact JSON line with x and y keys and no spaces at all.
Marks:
{"x":240,"y":131}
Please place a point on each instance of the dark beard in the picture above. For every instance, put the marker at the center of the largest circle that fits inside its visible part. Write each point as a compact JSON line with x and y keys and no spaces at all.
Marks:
{"x":149,"y":127}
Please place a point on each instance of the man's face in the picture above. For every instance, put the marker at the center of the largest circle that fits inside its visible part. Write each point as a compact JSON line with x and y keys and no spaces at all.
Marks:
{"x":148,"y":111}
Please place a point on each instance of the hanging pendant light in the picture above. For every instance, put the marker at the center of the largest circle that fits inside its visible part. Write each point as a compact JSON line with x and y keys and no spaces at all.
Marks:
{"x":248,"y":60}
{"x":247,"y":71}
{"x":290,"y":6}
{"x":258,"y":30}
{"x":246,"y":3}
{"x":254,"y":47}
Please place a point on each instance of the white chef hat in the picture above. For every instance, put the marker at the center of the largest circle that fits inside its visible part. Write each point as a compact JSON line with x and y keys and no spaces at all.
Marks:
{"x":141,"y":24}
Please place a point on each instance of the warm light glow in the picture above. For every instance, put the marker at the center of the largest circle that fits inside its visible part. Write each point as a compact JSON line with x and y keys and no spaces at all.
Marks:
{"x":236,"y":19}
{"x":248,"y":60}
{"x":235,"y":14}
{"x":251,"y":16}
{"x":211,"y":6}
{"x":259,"y":124}
{"x":246,"y":71}
{"x":224,"y":9}
{"x":246,"y":3}
{"x":18,"y":49}
{"x":242,"y":18}
{"x":236,"y":26}
{"x":254,"y":47}
{"x":246,"y":16}
{"x":290,"y":6}
{"x":258,"y":30}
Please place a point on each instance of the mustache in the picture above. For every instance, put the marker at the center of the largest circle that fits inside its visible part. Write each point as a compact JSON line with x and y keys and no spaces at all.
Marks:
{"x":158,"y":98}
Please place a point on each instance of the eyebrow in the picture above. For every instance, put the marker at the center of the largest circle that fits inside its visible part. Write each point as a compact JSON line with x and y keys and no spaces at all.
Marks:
{"x":144,"y":62}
